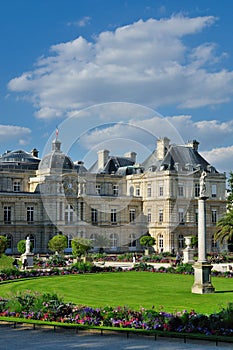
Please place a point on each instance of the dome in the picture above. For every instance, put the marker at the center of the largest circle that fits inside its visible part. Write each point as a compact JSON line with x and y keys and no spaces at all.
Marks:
{"x":56,"y":159}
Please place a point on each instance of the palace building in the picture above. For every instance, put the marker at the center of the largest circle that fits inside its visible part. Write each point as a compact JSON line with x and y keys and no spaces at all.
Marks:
{"x":113,"y":203}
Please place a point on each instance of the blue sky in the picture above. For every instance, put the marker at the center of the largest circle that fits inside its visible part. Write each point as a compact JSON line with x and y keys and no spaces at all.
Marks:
{"x":117,"y":75}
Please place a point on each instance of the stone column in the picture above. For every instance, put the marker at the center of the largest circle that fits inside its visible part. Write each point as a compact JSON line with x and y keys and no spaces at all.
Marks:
{"x":202,"y":229}
{"x":202,"y":269}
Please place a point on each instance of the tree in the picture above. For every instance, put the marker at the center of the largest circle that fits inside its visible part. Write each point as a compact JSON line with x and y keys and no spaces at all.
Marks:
{"x":3,"y":244}
{"x":80,"y":246}
{"x":224,"y":228}
{"x":21,"y":246}
{"x":58,"y":243}
{"x":147,"y":241}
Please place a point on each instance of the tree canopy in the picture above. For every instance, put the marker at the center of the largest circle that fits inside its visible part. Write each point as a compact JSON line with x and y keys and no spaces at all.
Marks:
{"x":58,"y":243}
{"x":80,"y":246}
{"x":147,"y":241}
{"x":224,"y":228}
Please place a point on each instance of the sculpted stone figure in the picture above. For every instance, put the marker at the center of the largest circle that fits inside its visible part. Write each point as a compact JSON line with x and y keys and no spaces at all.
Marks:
{"x":28,"y":245}
{"x":203,"y":192}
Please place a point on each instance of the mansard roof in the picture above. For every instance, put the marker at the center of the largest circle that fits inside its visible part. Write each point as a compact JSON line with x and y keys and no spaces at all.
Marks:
{"x":180,"y":158}
{"x":19,"y":159}
{"x":112,"y":165}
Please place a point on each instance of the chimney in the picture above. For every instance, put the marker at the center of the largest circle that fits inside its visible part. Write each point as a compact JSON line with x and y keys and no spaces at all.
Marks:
{"x":34,"y":152}
{"x":162,"y":147}
{"x":131,"y":155}
{"x":193,"y":144}
{"x":102,"y":158}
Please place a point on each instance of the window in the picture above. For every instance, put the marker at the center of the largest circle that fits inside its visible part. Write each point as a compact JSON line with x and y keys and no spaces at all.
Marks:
{"x":132,"y":240}
{"x":181,"y":241}
{"x":115,"y":190}
{"x":9,"y":241}
{"x":69,"y":214}
{"x":213,"y":216}
{"x":148,"y":215}
{"x":161,"y":242}
{"x":196,"y":216}
{"x":98,"y":189}
{"x":180,"y":190}
{"x":148,"y":190}
{"x":7,"y":215}
{"x":30,"y":214}
{"x":16,"y":186}
{"x":137,"y":191}
{"x":113,"y":216}
{"x":94,"y":216}
{"x":81,"y":211}
{"x":81,"y":234}
{"x":181,"y":216}
{"x":160,"y":215}
{"x":93,"y":239}
{"x":197,"y":190}
{"x":69,"y":240}
{"x":213,"y":191}
{"x":60,"y":211}
{"x":160,"y":191}
{"x":113,"y":240}
{"x":132,"y":215}
{"x":213,"y":242}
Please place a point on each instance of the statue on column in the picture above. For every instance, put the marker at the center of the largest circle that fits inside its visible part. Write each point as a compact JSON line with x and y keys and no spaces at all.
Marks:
{"x":203,"y":191}
{"x":27,"y":245}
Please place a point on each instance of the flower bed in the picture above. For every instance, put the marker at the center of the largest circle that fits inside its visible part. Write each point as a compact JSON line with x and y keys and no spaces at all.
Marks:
{"x":50,"y":308}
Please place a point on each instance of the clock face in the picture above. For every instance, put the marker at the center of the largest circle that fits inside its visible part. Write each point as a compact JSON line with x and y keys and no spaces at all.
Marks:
{"x":70,"y":185}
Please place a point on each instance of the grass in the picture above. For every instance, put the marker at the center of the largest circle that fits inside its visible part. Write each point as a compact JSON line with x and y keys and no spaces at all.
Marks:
{"x":133,"y":289}
{"x":6,"y":262}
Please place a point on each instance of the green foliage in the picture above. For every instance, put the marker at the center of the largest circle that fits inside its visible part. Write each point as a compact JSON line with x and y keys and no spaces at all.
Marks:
{"x":147,"y":241}
{"x":224,"y":227}
{"x":83,"y":266}
{"x":3,"y":244}
{"x":80,"y":246}
{"x":21,"y":246}
{"x":194,"y":241}
{"x":5,"y":262}
{"x":58,"y":243}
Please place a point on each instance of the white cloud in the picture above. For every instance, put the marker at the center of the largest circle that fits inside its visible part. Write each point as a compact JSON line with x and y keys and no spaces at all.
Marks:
{"x":221,"y":158}
{"x":12,"y":133}
{"x":145,"y":62}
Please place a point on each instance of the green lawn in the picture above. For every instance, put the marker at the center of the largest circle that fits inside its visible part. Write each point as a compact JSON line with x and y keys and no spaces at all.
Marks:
{"x":133,"y":289}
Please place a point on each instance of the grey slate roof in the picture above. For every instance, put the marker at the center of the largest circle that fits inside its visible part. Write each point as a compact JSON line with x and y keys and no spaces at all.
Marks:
{"x":182,"y":158}
{"x":19,"y":159}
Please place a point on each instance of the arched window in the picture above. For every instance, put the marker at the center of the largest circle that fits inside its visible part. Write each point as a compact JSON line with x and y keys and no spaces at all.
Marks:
{"x":9,"y":242}
{"x":69,"y":240}
{"x":113,"y":240}
{"x":213,"y":243}
{"x":181,"y":241}
{"x":93,"y":239}
{"x":69,"y":214}
{"x":132,"y":240}
{"x":161,"y":242}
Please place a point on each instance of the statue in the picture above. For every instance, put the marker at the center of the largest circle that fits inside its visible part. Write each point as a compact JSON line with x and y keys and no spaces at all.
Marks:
{"x":27,"y":245}
{"x":203,"y":192}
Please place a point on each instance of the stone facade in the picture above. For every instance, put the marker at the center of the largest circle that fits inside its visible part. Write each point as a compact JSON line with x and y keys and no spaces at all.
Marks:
{"x":113,"y":203}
